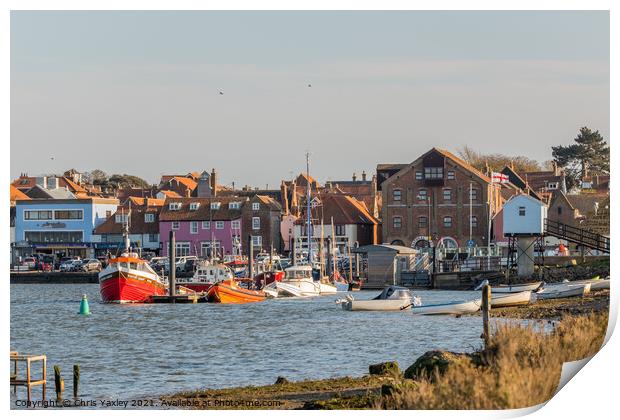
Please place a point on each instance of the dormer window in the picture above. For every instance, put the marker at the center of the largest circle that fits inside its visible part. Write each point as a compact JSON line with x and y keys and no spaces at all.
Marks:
{"x":174,"y":206}
{"x":121,"y":218}
{"x":235,"y":205}
{"x":215,"y":206}
{"x":255,"y":206}
{"x":194,"y":206}
{"x":149,"y":218}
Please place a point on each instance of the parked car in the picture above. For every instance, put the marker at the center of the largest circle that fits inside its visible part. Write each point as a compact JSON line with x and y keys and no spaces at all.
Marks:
{"x":69,"y":263}
{"x":180,"y":262}
{"x":31,"y":262}
{"x":90,"y":265}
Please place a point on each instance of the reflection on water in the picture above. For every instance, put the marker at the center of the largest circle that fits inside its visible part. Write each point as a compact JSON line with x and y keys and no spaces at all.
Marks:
{"x":149,"y":350}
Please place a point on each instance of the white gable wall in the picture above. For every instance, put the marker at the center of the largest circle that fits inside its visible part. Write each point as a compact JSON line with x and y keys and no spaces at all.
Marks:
{"x":532,"y":223}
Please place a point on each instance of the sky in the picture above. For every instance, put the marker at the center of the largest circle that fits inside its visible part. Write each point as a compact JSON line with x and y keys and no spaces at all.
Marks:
{"x":139,"y":92}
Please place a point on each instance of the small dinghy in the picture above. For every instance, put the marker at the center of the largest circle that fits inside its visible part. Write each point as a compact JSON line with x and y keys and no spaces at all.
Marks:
{"x":515,"y":288}
{"x":563,"y":291}
{"x":451,"y":308}
{"x":392,"y":298}
{"x":596,"y":283}
{"x":505,"y":300}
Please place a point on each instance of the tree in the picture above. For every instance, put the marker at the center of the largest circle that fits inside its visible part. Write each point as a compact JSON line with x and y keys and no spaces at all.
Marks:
{"x":497,"y":161}
{"x":589,"y":154}
{"x":126,"y":180}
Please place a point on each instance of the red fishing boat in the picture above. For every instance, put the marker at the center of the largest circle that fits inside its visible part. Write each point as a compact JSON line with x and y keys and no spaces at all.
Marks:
{"x":129,"y":279}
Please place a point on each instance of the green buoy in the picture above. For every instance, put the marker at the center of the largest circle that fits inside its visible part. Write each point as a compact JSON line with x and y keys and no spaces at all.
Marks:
{"x":84,"y":309}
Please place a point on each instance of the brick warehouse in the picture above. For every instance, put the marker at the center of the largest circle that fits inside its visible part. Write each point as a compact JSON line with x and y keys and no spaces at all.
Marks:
{"x":440,"y":182}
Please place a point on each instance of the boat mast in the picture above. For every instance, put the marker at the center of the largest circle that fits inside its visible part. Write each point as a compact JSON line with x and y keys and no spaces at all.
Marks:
{"x":126,"y":229}
{"x":308,"y":207}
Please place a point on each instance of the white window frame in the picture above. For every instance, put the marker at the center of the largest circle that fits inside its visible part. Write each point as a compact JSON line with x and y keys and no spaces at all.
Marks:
{"x":400,"y":222}
{"x":419,"y":175}
{"x":522,"y":211}
{"x":174,"y":206}
{"x":255,"y":223}
{"x":182,"y":249}
{"x":449,"y":192}
{"x":206,"y":224}
{"x":451,"y":175}
{"x":255,"y":206}
{"x":235,"y":224}
{"x":422,"y":197}
{"x":473,"y":221}
{"x":193,"y":228}
{"x":120,"y":218}
{"x":194,"y":206}
{"x":257,"y":240}
{"x":215,"y":205}
{"x":219,"y":225}
{"x":234,"y":205}
{"x":175,"y":225}
{"x":448,"y":221}
{"x":149,"y":218}
{"x":397,"y":193}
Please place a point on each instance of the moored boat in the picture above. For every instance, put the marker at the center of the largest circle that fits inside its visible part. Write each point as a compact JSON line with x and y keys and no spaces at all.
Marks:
{"x":206,"y":275}
{"x":129,"y":279}
{"x":511,"y":299}
{"x":229,"y":291}
{"x":563,"y":291}
{"x":515,"y":288}
{"x":392,"y":298}
{"x":450,"y":308}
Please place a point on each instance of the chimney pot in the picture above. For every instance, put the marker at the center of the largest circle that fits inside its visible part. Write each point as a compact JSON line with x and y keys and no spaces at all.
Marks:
{"x":363,"y":175}
{"x":354,"y":176}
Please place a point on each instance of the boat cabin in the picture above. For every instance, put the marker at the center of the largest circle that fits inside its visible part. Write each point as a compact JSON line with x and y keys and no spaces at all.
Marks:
{"x":212,"y":274}
{"x":395,"y":293}
{"x":298,"y":272}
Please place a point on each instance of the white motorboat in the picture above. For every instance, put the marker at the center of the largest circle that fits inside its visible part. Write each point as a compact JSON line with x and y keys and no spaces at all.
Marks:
{"x":503,"y":300}
{"x":595,"y":283}
{"x":563,"y":290}
{"x":451,"y":308}
{"x":300,"y":277}
{"x":515,"y":288}
{"x":392,"y":298}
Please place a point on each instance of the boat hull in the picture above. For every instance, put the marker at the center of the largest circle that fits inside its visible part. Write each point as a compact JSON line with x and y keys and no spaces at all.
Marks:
{"x":197,"y":287}
{"x":515,"y":288}
{"x":559,"y":292}
{"x":126,"y":288}
{"x":456,"y":308}
{"x":377,"y":305}
{"x":229,"y":292}
{"x":511,"y":299}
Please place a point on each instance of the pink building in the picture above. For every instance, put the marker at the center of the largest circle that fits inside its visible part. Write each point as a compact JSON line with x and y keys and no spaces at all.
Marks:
{"x":202,"y":223}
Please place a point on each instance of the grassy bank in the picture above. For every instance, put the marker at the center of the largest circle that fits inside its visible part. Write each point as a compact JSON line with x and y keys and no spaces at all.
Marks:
{"x":520,"y":368}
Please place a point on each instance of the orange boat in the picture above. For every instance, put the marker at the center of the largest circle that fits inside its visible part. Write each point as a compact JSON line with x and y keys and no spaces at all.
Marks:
{"x":229,"y":291}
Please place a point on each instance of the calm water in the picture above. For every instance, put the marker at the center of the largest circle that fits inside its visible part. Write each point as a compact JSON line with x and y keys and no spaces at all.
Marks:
{"x":126,"y":351}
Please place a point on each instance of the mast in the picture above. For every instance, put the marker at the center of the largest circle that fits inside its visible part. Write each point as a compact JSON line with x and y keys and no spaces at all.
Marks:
{"x":308,"y":223}
{"x":126,"y":241}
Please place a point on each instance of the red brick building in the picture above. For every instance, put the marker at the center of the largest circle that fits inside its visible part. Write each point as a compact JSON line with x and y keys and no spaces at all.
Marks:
{"x":431,"y":196}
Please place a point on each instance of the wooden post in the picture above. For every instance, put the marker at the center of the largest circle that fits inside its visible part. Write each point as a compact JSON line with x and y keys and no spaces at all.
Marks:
{"x":58,"y":381}
{"x":251,"y":257}
{"x":172,"y":276}
{"x":28,"y":378}
{"x":486,"y":306}
{"x":76,"y":380}
{"x":330,"y":268}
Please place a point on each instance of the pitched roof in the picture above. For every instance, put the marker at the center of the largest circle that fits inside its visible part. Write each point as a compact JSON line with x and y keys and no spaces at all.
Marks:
{"x":145,"y":201}
{"x":169,"y":193}
{"x":269,"y":201}
{"x":17,"y":194}
{"x":137,"y":223}
{"x":188,"y":182}
{"x":462,"y":163}
{"x":584,"y":203}
{"x":57,"y":193}
{"x":73,"y":186}
{"x":203,"y":212}
{"x":344,"y":209}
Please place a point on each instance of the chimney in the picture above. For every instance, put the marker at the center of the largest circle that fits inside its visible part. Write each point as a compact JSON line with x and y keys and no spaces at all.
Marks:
{"x":555,"y":168}
{"x":41,"y":181}
{"x":188,"y":192}
{"x":363,"y":175}
{"x":53,"y":183}
{"x":354,"y":177}
{"x":213,"y":182}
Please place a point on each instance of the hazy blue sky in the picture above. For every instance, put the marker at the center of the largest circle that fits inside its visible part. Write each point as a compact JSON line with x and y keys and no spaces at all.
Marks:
{"x":138,"y":92}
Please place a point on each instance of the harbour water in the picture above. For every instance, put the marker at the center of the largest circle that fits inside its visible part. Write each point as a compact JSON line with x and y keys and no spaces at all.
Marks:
{"x":128,"y":351}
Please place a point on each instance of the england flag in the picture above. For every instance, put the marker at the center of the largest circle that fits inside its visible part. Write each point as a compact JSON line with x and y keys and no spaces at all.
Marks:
{"x":498,"y":177}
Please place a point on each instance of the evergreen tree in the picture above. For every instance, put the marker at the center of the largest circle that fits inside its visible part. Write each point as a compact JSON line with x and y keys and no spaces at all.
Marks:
{"x":588,"y":155}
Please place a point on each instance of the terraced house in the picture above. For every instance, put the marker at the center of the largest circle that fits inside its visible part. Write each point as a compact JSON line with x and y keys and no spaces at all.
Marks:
{"x":437,"y":196}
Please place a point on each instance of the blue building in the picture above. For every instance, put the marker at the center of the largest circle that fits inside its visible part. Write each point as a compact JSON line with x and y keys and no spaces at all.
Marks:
{"x":62,"y":227}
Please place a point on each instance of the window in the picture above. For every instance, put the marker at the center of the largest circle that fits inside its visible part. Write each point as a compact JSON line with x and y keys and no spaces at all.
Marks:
{"x":422,"y":195}
{"x":451,"y":175}
{"x":234,"y":205}
{"x":340,"y":230}
{"x":447,"y":195}
{"x":205,"y":247}
{"x":193,"y":227}
{"x":552,"y":186}
{"x":219,"y":225}
{"x":176,"y":225}
{"x":108,"y":213}
{"x":174,"y":206}
{"x":194,"y":206}
{"x":422,"y":221}
{"x":257,"y":241}
{"x":206,"y":224}
{"x":68,"y":214}
{"x":54,"y":236}
{"x":447,"y":221}
{"x":38,"y":215}
{"x":182,"y":249}
{"x":397,"y":195}
{"x":433,"y":173}
{"x":255,"y":223}
{"x":559,"y":210}
{"x":235,"y":225}
{"x":153,"y":237}
{"x":397,"y":222}
{"x":255,"y":206}
{"x":473,"y":194}
{"x":473,"y":221}
{"x":120,"y":218}
{"x":149,"y":217}
{"x":215,"y":205}
{"x":418,"y":175}
{"x":521,"y":211}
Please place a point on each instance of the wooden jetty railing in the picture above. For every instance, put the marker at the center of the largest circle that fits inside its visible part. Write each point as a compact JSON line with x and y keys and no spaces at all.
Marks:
{"x":28,"y":381}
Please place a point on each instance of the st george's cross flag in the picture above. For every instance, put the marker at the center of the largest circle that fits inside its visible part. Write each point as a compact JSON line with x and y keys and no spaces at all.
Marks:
{"x":499,"y":177}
